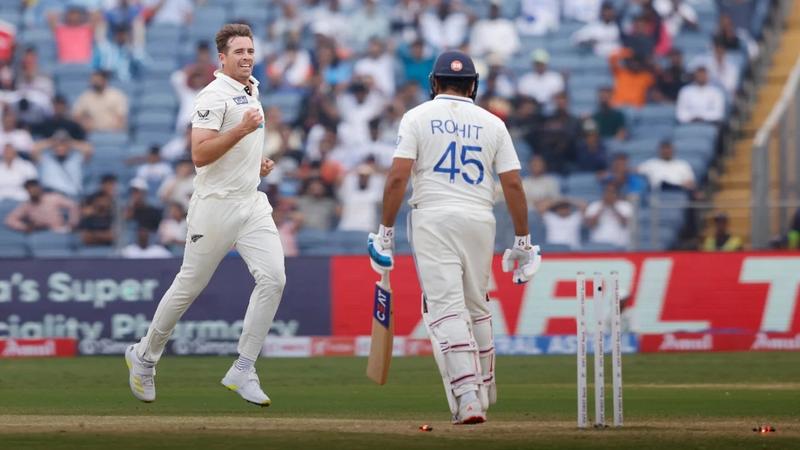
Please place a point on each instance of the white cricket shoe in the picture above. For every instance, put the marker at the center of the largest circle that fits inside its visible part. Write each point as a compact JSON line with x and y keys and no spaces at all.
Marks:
{"x":470,"y":413}
{"x":246,"y":384}
{"x":141,"y":378}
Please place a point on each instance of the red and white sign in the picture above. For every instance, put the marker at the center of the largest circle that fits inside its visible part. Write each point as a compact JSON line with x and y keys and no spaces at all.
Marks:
{"x":702,"y":342}
{"x":37,"y":348}
{"x":308,"y":346}
{"x":746,"y":294}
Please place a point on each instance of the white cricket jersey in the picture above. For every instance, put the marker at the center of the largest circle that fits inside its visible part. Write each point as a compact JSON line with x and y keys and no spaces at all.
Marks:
{"x":458,"y":148}
{"x":220,"y":106}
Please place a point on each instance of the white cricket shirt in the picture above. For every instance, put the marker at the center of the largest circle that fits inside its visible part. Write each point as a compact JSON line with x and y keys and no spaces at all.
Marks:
{"x":458,"y":148}
{"x":220,"y":106}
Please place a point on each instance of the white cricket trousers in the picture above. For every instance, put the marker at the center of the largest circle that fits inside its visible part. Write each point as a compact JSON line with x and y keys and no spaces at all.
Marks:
{"x":246,"y":224}
{"x":453,"y":252}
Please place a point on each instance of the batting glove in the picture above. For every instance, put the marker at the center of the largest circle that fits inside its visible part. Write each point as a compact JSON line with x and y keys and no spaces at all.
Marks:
{"x":523,"y":259}
{"x":381,"y":249}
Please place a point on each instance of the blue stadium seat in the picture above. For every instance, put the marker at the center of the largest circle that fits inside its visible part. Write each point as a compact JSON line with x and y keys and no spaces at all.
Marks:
{"x":601,"y":247}
{"x":42,"y":242}
{"x":554,"y":248}
{"x":12,"y":243}
{"x":656,"y":113}
{"x":151,"y":120}
{"x":582,"y":183}
{"x":108,"y":138}
{"x":101,"y":251}
{"x":696,"y":130}
{"x":147,"y":137}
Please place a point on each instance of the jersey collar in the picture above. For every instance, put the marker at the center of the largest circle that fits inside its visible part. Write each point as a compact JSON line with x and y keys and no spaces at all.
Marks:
{"x":453,"y":97}
{"x":236,"y":85}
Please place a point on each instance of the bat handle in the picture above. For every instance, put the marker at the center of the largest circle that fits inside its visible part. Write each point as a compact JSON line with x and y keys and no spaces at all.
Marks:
{"x":385,"y":278}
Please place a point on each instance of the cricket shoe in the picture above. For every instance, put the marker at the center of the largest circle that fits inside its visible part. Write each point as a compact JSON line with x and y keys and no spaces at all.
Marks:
{"x":141,"y":377}
{"x":470,"y":413}
{"x":246,"y":384}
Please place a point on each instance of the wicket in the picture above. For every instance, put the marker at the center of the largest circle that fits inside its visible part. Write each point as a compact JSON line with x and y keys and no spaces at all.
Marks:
{"x":600,"y":299}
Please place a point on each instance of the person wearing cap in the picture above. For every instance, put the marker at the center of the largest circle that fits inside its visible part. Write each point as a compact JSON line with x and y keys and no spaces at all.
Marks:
{"x":700,"y":101}
{"x":453,"y":149}
{"x":542,"y":84}
{"x":722,"y":240}
{"x":226,"y":210}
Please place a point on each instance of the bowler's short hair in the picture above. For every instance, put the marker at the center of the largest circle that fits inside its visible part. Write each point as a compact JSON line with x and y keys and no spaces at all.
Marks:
{"x":229,"y":31}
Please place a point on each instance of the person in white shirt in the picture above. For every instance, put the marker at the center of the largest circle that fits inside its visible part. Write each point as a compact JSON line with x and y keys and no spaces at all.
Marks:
{"x":172,"y":229}
{"x":143,"y":249}
{"x":154,"y":171}
{"x":494,"y":35}
{"x":367,"y":23}
{"x":721,"y":67}
{"x":676,"y":14}
{"x":170,"y":12}
{"x":540,"y":187}
{"x":20,"y":138}
{"x":563,"y":221}
{"x":539,"y":17}
{"x":178,"y":188}
{"x":541,"y":84}
{"x":453,"y":148}
{"x":378,"y":65}
{"x":226,"y":210}
{"x":609,"y":219}
{"x":602,"y":36}
{"x":186,"y":84}
{"x":359,"y":196}
{"x":445,"y":27}
{"x":700,"y":101}
{"x":666,"y":171}
{"x":581,"y":10}
{"x":292,"y":68}
{"x":14,"y":172}
{"x":359,"y":105}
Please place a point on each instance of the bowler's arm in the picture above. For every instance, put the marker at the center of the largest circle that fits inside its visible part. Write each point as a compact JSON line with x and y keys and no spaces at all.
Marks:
{"x":209,"y":145}
{"x":515,"y":200}
{"x":395,"y":189}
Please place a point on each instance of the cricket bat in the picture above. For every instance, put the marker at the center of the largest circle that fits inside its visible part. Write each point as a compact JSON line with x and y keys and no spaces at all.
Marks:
{"x":380,"y":349}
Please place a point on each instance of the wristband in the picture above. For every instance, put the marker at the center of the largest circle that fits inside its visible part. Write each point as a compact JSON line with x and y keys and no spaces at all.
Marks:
{"x":523,"y":242}
{"x":386,"y":232}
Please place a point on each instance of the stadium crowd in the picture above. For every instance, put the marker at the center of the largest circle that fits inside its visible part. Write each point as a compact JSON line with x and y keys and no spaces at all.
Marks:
{"x":97,"y":97}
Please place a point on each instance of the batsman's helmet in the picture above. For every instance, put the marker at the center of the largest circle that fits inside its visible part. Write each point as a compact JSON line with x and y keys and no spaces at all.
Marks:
{"x":453,"y":64}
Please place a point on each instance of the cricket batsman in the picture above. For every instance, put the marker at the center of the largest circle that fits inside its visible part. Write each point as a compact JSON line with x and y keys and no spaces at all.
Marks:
{"x":452,"y":149}
{"x":225,"y":211}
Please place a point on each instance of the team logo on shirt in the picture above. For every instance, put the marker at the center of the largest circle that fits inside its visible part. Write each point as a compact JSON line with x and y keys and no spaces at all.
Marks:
{"x":456,"y":65}
{"x":240,"y":100}
{"x":196,"y":237}
{"x":202,"y":114}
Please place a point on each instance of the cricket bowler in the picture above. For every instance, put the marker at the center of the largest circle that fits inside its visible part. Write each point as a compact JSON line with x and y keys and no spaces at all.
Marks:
{"x":225,"y":211}
{"x":452,"y":149}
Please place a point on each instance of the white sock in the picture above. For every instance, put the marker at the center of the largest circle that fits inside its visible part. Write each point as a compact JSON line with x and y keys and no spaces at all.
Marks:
{"x":243,"y":364}
{"x":467,"y":397}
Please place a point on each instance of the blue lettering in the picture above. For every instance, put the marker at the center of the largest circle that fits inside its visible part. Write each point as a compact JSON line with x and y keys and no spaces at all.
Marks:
{"x":450,"y":126}
{"x":463,"y":130}
{"x":436,"y":125}
{"x":477,"y":131}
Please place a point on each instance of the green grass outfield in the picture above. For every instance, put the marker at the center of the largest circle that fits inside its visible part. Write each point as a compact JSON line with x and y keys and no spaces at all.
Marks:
{"x":708,"y":401}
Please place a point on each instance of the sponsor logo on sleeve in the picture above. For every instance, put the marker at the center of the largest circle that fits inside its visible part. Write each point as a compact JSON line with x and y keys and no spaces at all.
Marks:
{"x":203,"y":114}
{"x":240,"y":100}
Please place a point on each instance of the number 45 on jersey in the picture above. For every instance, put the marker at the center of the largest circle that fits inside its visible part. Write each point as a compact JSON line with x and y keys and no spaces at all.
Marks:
{"x":447,"y":163}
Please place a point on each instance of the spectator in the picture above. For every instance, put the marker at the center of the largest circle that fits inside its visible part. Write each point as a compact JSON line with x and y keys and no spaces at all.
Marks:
{"x":377,"y":66}
{"x":335,"y":71}
{"x":316,"y":205}
{"x":700,"y":101}
{"x":179,"y":147}
{"x":404,"y":19}
{"x":722,"y":240}
{"x":360,"y":194}
{"x":139,"y":210}
{"x":556,"y":139}
{"x":289,"y":221}
{"x":178,"y":188}
{"x":13,"y":134}
{"x":417,"y":62}
{"x":172,"y":229}
{"x":203,"y":63}
{"x":538,"y":17}
{"x":109,"y":187}
{"x":602,"y":36}
{"x":14,"y":172}
{"x":120,"y":56}
{"x":563,"y":221}
{"x":292,"y":68}
{"x":382,"y":153}
{"x":60,"y":120}
{"x":143,"y":249}
{"x":494,"y":35}
{"x":735,"y":39}
{"x":629,"y":183}
{"x":721,"y":66}
{"x":591,"y":154}
{"x":671,"y":79}
{"x":525,"y":120}
{"x":646,"y":36}
{"x":169,"y":12}
{"x":30,"y":78}
{"x":101,"y":108}
{"x":367,"y":24}
{"x":585,"y":11}
{"x":128,"y":14}
{"x":740,"y":12}
{"x":632,"y":79}
{"x":541,"y":84}
{"x":611,"y":122}
{"x":667,"y":172}
{"x":74,"y":35}
{"x":30,"y":107}
{"x":97,"y":220}
{"x":61,"y":162}
{"x":676,"y":15}
{"x":43,"y":211}
{"x":362,"y":104}
{"x":290,"y":24}
{"x":154,"y":171}
{"x":444,"y":28}
{"x":540,"y":186}
{"x":609,"y":219}
{"x":327,"y":20}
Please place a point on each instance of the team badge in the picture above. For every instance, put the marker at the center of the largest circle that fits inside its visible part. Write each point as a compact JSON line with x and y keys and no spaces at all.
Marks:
{"x":456,"y":65}
{"x":202,"y":114}
{"x":241,"y":100}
